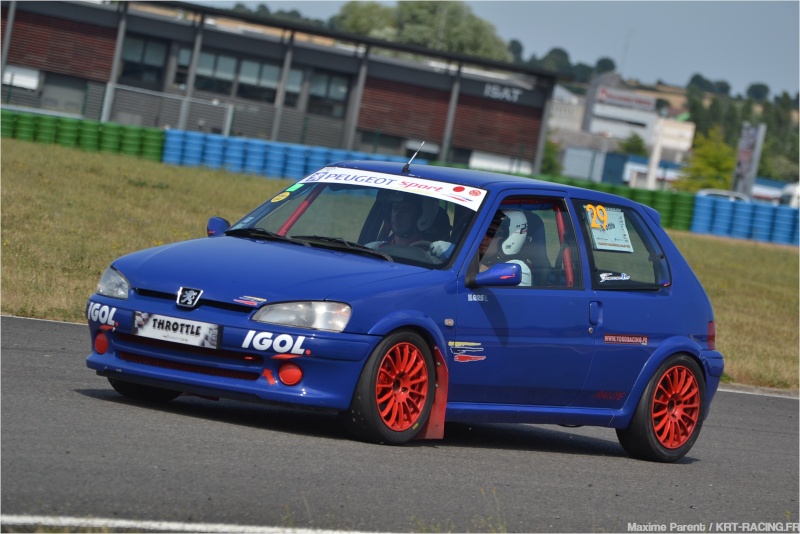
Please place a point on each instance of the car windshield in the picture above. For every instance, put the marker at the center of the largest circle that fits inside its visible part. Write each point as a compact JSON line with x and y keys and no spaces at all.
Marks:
{"x":395,"y":218}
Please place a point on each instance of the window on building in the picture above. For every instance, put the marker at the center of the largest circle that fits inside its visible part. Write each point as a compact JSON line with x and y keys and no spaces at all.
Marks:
{"x":328,"y":94}
{"x":182,"y":67}
{"x":259,"y":81}
{"x":143,"y":62}
{"x":215,"y":73}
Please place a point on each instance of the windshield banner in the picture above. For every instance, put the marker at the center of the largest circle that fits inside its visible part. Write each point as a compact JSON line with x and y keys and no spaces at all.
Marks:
{"x":470,"y":197}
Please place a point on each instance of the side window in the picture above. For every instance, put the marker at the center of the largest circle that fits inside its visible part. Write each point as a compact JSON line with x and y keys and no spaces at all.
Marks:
{"x":623,"y":252}
{"x":537,"y":234}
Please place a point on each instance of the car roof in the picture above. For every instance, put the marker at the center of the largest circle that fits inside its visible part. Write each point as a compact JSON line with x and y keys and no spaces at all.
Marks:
{"x":468,"y":177}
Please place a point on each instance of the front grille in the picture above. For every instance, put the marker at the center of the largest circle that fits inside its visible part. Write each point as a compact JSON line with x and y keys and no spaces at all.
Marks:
{"x":254,"y":359}
{"x":187,"y":367}
{"x":172,"y":297}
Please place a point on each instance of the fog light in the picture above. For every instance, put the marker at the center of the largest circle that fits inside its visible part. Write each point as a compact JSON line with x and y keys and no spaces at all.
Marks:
{"x":290,"y":374}
{"x":100,"y":343}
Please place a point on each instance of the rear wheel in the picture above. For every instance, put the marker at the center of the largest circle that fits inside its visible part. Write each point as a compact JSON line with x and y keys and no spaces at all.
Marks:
{"x":141,"y":392}
{"x":395,"y":392}
{"x":669,"y":416}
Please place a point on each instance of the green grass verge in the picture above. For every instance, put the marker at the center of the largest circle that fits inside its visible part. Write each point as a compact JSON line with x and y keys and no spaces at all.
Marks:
{"x":66,"y":214}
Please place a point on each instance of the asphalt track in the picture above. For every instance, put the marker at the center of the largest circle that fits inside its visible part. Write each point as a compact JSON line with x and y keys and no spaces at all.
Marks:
{"x":74,"y":450}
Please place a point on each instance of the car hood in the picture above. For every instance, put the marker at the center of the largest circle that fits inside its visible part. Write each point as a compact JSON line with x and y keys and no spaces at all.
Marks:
{"x":229,"y":268}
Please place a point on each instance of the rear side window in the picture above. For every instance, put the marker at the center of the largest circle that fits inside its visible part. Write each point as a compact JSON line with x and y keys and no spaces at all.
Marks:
{"x":623,"y":252}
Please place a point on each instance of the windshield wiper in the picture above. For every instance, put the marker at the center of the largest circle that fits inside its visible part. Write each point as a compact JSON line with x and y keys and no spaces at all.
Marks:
{"x":340,"y":243}
{"x":261,"y":233}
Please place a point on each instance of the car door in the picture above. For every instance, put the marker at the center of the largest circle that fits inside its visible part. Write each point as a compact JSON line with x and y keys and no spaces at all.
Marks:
{"x":634,"y":303}
{"x":528,"y":345}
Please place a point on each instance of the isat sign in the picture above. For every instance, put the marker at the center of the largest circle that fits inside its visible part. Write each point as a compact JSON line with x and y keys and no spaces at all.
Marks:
{"x":499,"y":92}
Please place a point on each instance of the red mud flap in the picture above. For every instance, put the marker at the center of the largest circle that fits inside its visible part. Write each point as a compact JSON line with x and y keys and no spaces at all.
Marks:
{"x":434,"y":427}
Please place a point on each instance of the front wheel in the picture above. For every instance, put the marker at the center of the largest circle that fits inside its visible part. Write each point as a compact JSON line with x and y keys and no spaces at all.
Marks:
{"x":141,"y":392}
{"x":394,"y":394}
{"x":669,"y":416}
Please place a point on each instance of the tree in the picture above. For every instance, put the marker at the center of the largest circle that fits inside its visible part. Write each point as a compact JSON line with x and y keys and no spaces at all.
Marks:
{"x":582,"y":73}
{"x":697,"y":111}
{"x":515,"y":49}
{"x":363,"y":18}
{"x":758,"y":92}
{"x":732,"y":125}
{"x":633,"y":145}
{"x":605,"y":64}
{"x":556,"y":60}
{"x":722,"y":88}
{"x":450,"y":27}
{"x":551,"y":166}
{"x":698,"y":82}
{"x":711,"y":164}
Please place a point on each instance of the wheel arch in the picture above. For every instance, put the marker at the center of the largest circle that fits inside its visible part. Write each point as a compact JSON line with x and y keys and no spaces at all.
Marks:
{"x":669,"y":348}
{"x":424,"y":326}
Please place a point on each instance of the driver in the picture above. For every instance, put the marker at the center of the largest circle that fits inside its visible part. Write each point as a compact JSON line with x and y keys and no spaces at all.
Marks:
{"x":411,"y":215}
{"x":503,"y":241}
{"x":404,"y":221}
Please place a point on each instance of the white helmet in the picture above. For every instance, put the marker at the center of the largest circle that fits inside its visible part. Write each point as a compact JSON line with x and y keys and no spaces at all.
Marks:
{"x":517,"y":225}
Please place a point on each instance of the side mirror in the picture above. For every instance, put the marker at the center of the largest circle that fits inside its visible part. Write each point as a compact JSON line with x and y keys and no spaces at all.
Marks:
{"x":500,"y":274}
{"x":216,"y":226}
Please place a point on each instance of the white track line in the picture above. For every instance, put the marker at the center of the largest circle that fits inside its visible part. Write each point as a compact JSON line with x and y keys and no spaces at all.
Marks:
{"x":73,"y":523}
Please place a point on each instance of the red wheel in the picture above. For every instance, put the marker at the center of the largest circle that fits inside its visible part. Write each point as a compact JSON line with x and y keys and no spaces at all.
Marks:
{"x":401,"y":390}
{"x":669,"y":416}
{"x":394,"y":395}
{"x":676,"y":407}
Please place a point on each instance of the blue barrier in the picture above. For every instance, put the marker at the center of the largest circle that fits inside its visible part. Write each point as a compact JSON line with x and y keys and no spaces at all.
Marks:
{"x":763,"y":219}
{"x":723,"y":217}
{"x":703,"y":215}
{"x":173,"y":147}
{"x":784,"y":229}
{"x":276,"y":160}
{"x":742,"y":219}
{"x":255,"y":156}
{"x":233,"y":161}
{"x":213,"y":151}
{"x":193,"y":149}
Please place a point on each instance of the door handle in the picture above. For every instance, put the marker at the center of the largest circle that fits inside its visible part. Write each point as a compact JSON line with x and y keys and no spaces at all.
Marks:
{"x":595,"y":313}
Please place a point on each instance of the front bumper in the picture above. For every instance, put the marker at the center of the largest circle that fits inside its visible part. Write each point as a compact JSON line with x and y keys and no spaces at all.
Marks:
{"x":245,"y":365}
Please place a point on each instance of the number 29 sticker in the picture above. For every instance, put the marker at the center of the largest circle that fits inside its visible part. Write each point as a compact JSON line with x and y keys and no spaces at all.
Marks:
{"x":599,"y":216}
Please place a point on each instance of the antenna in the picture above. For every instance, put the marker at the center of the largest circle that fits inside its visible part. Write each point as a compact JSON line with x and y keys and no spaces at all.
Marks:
{"x":405,"y":168}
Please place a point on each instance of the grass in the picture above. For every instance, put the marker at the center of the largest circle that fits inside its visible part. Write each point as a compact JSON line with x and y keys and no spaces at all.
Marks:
{"x":67,"y":214}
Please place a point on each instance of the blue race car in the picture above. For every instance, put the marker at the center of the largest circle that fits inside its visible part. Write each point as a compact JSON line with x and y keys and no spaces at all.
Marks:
{"x":407,"y":296}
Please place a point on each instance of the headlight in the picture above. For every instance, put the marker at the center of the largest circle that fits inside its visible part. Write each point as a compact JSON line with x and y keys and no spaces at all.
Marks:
{"x":331,"y":316}
{"x":113,"y":284}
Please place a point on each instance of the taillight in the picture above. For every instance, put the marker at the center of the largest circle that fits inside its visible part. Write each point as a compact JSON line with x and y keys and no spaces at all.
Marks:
{"x":712,"y":336}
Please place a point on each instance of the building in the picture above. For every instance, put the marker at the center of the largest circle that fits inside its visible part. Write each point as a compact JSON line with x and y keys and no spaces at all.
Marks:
{"x":193,"y":67}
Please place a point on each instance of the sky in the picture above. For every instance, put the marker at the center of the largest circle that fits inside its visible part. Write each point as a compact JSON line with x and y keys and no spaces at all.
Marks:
{"x":739,"y":42}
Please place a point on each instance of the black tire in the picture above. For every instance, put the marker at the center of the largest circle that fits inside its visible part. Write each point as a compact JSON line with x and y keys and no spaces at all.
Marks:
{"x":670,"y":414}
{"x":141,"y":392}
{"x":394,"y":395}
